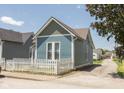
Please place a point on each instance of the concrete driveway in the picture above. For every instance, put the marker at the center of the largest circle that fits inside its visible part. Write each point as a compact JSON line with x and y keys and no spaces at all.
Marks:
{"x":103,"y":76}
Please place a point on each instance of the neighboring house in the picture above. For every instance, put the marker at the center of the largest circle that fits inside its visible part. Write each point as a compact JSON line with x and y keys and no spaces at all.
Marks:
{"x":15,"y":44}
{"x":113,"y":55}
{"x":97,"y":54}
{"x":57,"y":41}
{"x":108,"y":54}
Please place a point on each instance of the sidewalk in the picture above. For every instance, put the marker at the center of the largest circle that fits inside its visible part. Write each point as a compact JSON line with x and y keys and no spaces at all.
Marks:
{"x":29,"y":76}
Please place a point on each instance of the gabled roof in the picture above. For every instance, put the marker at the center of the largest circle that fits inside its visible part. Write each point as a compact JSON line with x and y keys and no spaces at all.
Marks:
{"x":26,"y":36}
{"x":79,"y":33}
{"x":82,"y":32}
{"x":69,"y":28}
{"x":13,"y":36}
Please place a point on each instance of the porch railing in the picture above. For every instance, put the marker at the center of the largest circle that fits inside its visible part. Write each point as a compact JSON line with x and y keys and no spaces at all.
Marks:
{"x":40,"y":66}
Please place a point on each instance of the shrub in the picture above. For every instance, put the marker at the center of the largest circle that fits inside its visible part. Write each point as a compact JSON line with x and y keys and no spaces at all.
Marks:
{"x":120,"y":70}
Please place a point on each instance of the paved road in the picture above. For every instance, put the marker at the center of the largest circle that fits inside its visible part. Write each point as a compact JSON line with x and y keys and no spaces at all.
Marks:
{"x":92,"y":77}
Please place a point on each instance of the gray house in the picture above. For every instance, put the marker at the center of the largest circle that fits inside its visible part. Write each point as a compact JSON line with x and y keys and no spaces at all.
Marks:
{"x":15,"y":44}
{"x":57,"y":41}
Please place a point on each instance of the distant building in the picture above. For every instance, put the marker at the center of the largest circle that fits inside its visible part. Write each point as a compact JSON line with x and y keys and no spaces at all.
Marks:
{"x":97,"y":54}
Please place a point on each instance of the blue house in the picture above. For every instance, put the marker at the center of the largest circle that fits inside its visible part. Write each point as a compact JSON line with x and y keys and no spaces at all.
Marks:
{"x":57,"y":41}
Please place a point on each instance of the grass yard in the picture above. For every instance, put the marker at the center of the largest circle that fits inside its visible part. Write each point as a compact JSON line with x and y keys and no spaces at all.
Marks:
{"x":120,"y":68}
{"x":116,"y":60}
{"x":97,"y":62}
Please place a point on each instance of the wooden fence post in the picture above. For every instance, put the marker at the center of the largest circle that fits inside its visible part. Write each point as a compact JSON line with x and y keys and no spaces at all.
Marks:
{"x":57,"y":67}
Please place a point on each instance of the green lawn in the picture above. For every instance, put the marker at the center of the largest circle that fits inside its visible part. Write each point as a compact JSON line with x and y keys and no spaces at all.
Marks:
{"x":97,"y":62}
{"x":120,"y":69}
{"x":116,"y":60}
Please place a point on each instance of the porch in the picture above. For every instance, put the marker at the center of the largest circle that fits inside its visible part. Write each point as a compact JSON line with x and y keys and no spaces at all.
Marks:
{"x":39,"y":66}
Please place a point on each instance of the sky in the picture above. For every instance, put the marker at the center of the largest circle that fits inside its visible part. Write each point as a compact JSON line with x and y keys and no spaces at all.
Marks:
{"x":30,"y":18}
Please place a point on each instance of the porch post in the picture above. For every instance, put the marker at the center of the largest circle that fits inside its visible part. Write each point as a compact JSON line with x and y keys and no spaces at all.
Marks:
{"x":35,"y":50}
{"x":72,"y":51}
{"x":1,"y":48}
{"x":32,"y":55}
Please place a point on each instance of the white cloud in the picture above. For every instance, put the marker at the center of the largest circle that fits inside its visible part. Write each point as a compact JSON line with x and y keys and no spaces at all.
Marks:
{"x":79,"y":6}
{"x":11,"y":21}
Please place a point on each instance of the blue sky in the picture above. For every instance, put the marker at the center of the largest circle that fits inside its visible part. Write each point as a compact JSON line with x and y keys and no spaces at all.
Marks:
{"x":29,"y":18}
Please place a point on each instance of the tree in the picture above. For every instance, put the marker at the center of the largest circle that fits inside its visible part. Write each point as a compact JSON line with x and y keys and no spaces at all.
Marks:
{"x":109,"y":20}
{"x":120,"y":52}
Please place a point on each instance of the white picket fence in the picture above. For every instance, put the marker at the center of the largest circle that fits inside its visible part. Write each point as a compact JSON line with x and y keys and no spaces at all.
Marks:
{"x":39,"y":66}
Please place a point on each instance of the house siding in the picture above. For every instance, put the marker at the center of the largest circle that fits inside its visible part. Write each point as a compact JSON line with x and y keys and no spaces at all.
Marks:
{"x":80,"y":52}
{"x":90,"y":50}
{"x":55,"y":33}
{"x":53,"y":29}
{"x":63,"y":37}
{"x":83,"y":52}
{"x":65,"y":46}
{"x":16,"y":50}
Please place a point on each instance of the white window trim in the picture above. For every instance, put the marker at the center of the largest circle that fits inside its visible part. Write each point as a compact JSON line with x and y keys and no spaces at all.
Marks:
{"x":53,"y":50}
{"x":53,"y":35}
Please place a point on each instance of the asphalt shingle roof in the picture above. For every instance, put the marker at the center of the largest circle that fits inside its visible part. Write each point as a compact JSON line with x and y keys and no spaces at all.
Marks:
{"x":82,"y":32}
{"x":13,"y":36}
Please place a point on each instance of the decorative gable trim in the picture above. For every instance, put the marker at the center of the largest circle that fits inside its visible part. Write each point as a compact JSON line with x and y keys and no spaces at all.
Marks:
{"x":47,"y":23}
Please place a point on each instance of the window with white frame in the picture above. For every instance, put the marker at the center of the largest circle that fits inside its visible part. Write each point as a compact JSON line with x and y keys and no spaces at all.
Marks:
{"x":53,"y":51}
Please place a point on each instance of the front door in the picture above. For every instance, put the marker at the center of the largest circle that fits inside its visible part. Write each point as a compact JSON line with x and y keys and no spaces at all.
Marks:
{"x":53,"y":51}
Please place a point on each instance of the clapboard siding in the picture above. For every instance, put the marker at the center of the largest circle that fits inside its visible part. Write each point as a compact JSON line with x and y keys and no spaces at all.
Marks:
{"x":16,"y":50}
{"x":83,"y":52}
{"x":65,"y":46}
{"x":53,"y":29}
{"x":80,"y":52}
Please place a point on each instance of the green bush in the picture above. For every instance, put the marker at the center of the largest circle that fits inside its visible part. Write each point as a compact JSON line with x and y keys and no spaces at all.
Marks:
{"x":94,"y":59}
{"x":121,"y":74}
{"x":120,"y":70}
